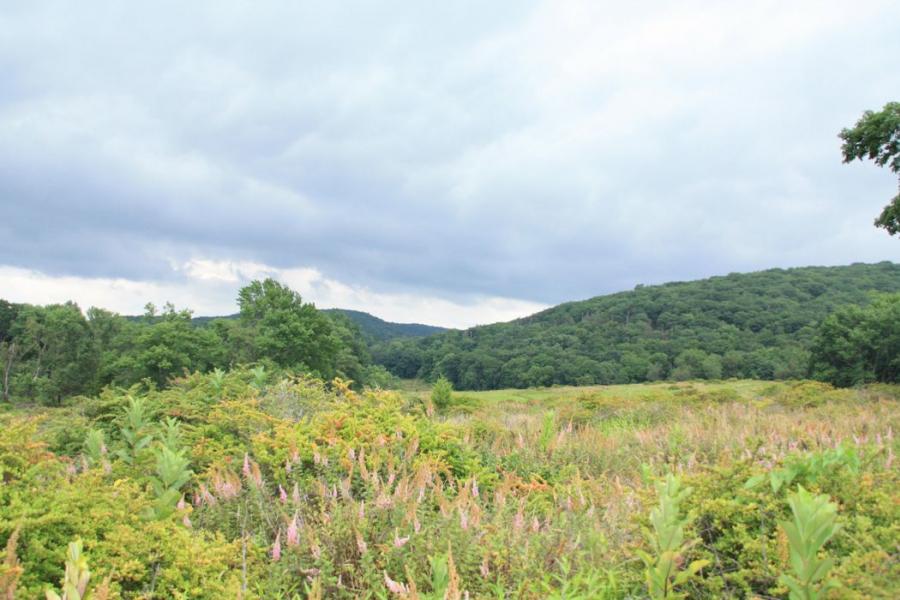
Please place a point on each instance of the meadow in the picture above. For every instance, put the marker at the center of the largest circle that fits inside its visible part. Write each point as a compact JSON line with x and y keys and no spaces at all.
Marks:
{"x":247,"y":485}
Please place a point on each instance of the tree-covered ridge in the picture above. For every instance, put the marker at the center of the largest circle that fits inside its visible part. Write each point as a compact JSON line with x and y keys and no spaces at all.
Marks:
{"x":372,"y":328}
{"x":50,"y":353}
{"x":375,"y":329}
{"x":757,"y":325}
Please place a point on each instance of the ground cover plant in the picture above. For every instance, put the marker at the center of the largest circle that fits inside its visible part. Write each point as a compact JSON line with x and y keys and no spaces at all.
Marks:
{"x":242,"y":484}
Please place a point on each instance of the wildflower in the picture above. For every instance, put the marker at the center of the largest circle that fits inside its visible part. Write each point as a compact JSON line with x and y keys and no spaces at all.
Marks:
{"x":395,"y":587}
{"x":186,"y":521}
{"x":293,"y":535}
{"x":484,"y":569}
{"x":352,"y":454}
{"x":295,"y":494}
{"x":519,"y":520}
{"x":246,"y":469}
{"x":535,"y":525}
{"x":361,"y":544}
{"x":287,"y":466}
{"x":474,"y":488}
{"x":180,"y":504}
{"x":383,"y":501}
{"x":416,"y":525}
{"x":463,"y":520}
{"x":255,"y":475}
{"x":399,"y":542}
{"x":362,"y":510}
{"x":282,"y":495}
{"x":276,"y":548}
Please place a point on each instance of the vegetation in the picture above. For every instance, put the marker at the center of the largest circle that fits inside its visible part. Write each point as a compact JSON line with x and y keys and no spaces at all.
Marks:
{"x":860,"y":344}
{"x":294,"y":488}
{"x":758,"y":325}
{"x":54,"y":352}
{"x":876,"y":136}
{"x":375,"y":330}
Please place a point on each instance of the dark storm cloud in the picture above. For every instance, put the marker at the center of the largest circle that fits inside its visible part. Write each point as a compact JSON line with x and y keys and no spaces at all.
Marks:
{"x":521,"y":150}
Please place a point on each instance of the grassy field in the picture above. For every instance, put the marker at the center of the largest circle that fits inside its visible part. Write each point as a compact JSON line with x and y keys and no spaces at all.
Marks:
{"x":300,"y":489}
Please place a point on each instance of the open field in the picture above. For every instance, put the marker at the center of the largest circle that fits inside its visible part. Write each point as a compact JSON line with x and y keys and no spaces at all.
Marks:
{"x":296,"y":489}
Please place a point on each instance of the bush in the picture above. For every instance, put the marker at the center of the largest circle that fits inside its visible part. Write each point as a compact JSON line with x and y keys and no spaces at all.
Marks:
{"x":442,"y":393}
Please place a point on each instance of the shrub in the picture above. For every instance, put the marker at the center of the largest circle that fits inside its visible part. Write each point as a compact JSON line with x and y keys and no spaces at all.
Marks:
{"x":442,"y":393}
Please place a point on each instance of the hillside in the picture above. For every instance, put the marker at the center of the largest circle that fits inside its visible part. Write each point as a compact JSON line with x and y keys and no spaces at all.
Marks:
{"x":756,"y":325}
{"x":379,"y":330}
{"x":370,"y":327}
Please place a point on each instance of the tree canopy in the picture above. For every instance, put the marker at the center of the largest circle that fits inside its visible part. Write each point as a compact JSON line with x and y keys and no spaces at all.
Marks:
{"x":49,"y":353}
{"x":876,"y":137}
{"x":757,"y":325}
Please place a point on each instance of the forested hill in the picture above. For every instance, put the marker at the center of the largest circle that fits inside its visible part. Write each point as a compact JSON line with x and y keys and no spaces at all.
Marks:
{"x":379,"y":330}
{"x":758,"y":325}
{"x":371,"y":328}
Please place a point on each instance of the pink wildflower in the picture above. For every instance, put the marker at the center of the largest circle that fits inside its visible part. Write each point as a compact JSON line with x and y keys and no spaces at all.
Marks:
{"x":276,"y":548}
{"x":246,"y":469}
{"x":361,"y":544}
{"x":293,"y":535}
{"x":395,"y":587}
{"x":399,"y":542}
{"x":282,"y":495}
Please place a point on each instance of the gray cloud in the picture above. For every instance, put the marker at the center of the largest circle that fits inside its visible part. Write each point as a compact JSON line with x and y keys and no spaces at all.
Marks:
{"x":537,"y":151}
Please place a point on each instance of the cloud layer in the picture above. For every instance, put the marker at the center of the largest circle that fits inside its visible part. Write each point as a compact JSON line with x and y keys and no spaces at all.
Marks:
{"x":451,"y":164}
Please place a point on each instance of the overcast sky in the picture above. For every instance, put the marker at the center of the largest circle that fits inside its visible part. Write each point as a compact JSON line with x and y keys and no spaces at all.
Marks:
{"x":449,"y":163}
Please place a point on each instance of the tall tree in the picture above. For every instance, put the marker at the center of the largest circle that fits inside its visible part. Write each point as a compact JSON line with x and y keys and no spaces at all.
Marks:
{"x":9,"y":347}
{"x":860,"y":344}
{"x":55,"y":355}
{"x":876,"y":136}
{"x":165,"y":346}
{"x":286,"y":330}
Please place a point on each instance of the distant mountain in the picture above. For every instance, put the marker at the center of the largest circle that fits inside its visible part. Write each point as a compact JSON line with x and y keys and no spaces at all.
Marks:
{"x":755,"y":325}
{"x":372,"y":328}
{"x":379,"y":330}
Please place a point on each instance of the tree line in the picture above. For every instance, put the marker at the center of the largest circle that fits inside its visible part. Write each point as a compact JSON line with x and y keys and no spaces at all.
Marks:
{"x":48,"y":353}
{"x":760,"y":325}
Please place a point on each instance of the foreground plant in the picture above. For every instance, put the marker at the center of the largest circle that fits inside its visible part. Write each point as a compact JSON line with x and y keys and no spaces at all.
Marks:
{"x":74,"y":585}
{"x":134,"y":434}
{"x":667,"y":540}
{"x":815,"y":522}
{"x":10,"y":569}
{"x":172,"y":473}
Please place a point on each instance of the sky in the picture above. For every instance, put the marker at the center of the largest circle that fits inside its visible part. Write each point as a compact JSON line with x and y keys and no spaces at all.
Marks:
{"x":452,"y":163}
